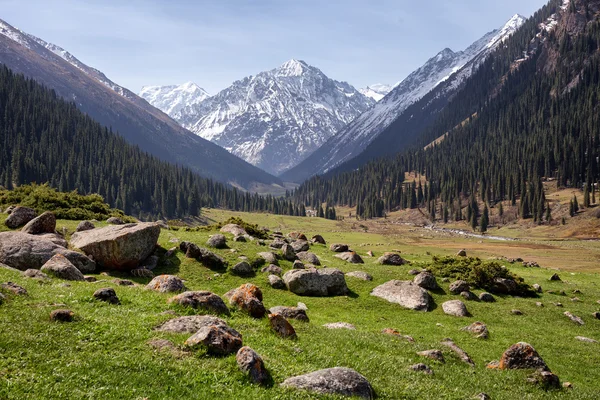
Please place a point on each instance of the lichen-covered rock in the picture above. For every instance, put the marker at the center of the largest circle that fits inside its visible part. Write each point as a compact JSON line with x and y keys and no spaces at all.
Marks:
{"x":248,"y":298}
{"x":60,"y":267}
{"x":242,"y":269}
{"x":457,"y":287}
{"x":45,"y":223}
{"x":201,"y":300}
{"x":325,"y":282}
{"x":336,"y":381}
{"x":19,"y":217}
{"x":119,"y":246}
{"x":308,"y":257}
{"x":391,"y":259}
{"x":272,"y":269}
{"x":252,"y":365}
{"x":189,"y":324}
{"x":351,"y":257}
{"x":522,"y":356}
{"x":545,"y":379}
{"x":281,"y":326}
{"x":24,"y":251}
{"x":290,"y":312}
{"x":405,"y":293}
{"x":426,"y":280}
{"x":217,"y":241}
{"x":479,"y":329}
{"x":436,"y":355}
{"x":166,"y":284}
{"x":107,"y":295}
{"x":216,"y":339}
{"x":276,"y":282}
{"x":300,"y":245}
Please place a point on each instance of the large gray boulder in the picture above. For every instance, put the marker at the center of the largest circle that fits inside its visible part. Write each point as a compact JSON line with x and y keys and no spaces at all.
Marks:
{"x":219,"y":339}
{"x":456,"y":308}
{"x":252,"y":365}
{"x":405,"y":293}
{"x":426,"y":280}
{"x":217,"y":241}
{"x":310,"y":258}
{"x":119,"y":246}
{"x":24,"y":251}
{"x":300,"y":245}
{"x":201,"y":300}
{"x":391,"y":259}
{"x":351,"y":257}
{"x":234,"y":229}
{"x":59,"y":267}
{"x":312,"y":282}
{"x":45,"y":223}
{"x":288,"y":253}
{"x":337,"y":381}
{"x":189,"y":324}
{"x":166,"y":284}
{"x":19,"y":217}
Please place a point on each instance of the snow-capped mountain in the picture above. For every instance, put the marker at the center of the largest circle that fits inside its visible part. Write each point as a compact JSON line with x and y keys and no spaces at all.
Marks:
{"x":117,"y":107}
{"x":172,"y":99}
{"x":376,"y":91}
{"x":276,"y":118}
{"x":356,"y":136}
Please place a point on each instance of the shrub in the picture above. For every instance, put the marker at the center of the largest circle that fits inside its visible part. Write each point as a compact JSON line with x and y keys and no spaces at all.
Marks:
{"x":477,"y":273}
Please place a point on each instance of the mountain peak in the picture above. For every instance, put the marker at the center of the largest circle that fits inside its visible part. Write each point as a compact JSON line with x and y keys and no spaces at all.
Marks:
{"x":292,"y":67}
{"x":514,"y":23}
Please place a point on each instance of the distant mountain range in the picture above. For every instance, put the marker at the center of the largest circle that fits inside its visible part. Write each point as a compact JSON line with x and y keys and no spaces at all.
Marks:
{"x":273,"y":119}
{"x":115,"y":106}
{"x":448,"y":67}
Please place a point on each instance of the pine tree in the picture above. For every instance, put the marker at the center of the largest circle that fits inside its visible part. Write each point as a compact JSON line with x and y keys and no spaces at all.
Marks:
{"x":575,"y":205}
{"x":586,"y":197}
{"x":485,"y":219}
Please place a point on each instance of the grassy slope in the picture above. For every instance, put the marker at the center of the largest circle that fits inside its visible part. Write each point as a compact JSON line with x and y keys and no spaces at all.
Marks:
{"x":104,"y":353}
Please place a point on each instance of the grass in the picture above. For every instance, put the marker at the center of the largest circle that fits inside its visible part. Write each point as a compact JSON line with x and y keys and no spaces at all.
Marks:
{"x":104,"y":353}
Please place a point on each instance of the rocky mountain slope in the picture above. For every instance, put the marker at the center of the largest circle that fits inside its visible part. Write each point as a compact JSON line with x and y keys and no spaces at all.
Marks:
{"x":376,"y":91}
{"x":115,"y":106}
{"x":275,"y":118}
{"x":174,"y":98}
{"x":448,"y":67}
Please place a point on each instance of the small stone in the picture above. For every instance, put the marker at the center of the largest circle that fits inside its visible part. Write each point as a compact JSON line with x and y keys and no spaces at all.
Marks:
{"x":545,"y":379}
{"x":482,"y":396}
{"x":35,"y":274}
{"x":298,"y":265}
{"x":516,"y":312}
{"x":107,"y":295}
{"x":478,"y":328}
{"x":462,"y":253}
{"x":253,"y":365}
{"x":568,"y":385}
{"x":575,"y":299}
{"x":537,"y":288}
{"x":269,"y":257}
{"x":90,"y":279}
{"x":85,"y":226}
{"x":13,"y":288}
{"x":189,"y":324}
{"x":142,"y":273}
{"x":60,"y":267}
{"x":339,"y":248}
{"x":336,"y":381}
{"x":585,"y":339}
{"x":555,"y":277}
{"x":300,"y":245}
{"x":469,"y":296}
{"x":558,"y":304}
{"x":248,"y":298}
{"x":539,"y":304}
{"x":276,"y":282}
{"x":391,"y":259}
{"x":239,"y":239}
{"x":340,"y":325}
{"x":115,"y":221}
{"x":370,"y":253}
{"x":414,"y":272}
{"x":217,"y":241}
{"x":596,"y":315}
{"x":574,"y":318}
{"x":281,"y":326}
{"x":290,"y":312}
{"x":487,"y":297}
{"x":422,"y":368}
{"x":363,"y":276}
{"x":123,"y":282}
{"x":272,"y":269}
{"x":436,"y":355}
{"x":288,"y":252}
{"x":62,"y":316}
{"x":318,"y":239}
{"x":394,"y":332}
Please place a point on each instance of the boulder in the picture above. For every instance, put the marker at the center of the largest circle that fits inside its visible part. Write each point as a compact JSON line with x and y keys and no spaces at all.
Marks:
{"x":290,"y":312}
{"x":276,"y":282}
{"x":212,"y":260}
{"x":13,"y":288}
{"x":217,"y":338}
{"x":19,"y":217}
{"x":272,"y":269}
{"x":242,"y":269}
{"x":217,"y":241}
{"x":457,"y":287}
{"x":107,"y":295}
{"x":62,"y":316}
{"x":391,"y":259}
{"x":336,"y":381}
{"x":277,"y":243}
{"x":326,"y":282}
{"x":189,"y":324}
{"x":426,"y":280}
{"x":546,"y":379}
{"x":486,"y":297}
{"x":166,"y":284}
{"x":574,"y":318}
{"x":250,"y":363}
{"x":288,"y":253}
{"x":45,"y":223}
{"x":522,"y":356}
{"x":240,"y":239}
{"x":119,"y":246}
{"x":282,"y":327}
{"x":470,"y":296}
{"x":505,"y":286}
{"x":234,"y":229}
{"x":269,"y":257}
{"x":248,"y":298}
{"x":298,"y":265}
{"x":436,"y":355}
{"x":455,"y":307}
{"x":24,"y":251}
{"x":35,"y":274}
{"x":363,"y":276}
{"x":115,"y":221}
{"x":308,"y":257}
{"x":190,"y":249}
{"x":60,"y":267}
{"x":339,"y":248}
{"x":201,"y":300}
{"x":350,"y":257}
{"x":297,"y":236}
{"x":462,"y":253}
{"x":300,"y":245}
{"x":318,"y":239}
{"x":405,"y":293}
{"x":55,"y":238}
{"x":555,"y":277}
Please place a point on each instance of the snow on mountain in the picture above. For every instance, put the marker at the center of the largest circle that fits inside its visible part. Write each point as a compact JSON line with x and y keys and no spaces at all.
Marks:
{"x":376,"y":91}
{"x":447,"y":64}
{"x":172,"y":99}
{"x":275,"y":118}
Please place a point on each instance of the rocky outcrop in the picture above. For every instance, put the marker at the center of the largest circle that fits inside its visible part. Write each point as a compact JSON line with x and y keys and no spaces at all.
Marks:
{"x":121,"y":247}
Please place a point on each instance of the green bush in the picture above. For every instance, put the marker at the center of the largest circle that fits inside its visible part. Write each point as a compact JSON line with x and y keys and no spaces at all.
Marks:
{"x":476,"y":272}
{"x":65,"y":205}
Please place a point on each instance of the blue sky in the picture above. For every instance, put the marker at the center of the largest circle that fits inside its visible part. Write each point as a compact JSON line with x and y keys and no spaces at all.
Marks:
{"x":214,"y":43}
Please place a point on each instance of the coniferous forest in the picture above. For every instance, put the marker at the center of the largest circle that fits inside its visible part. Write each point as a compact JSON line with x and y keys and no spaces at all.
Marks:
{"x":529,"y":113}
{"x":46,"y":139}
